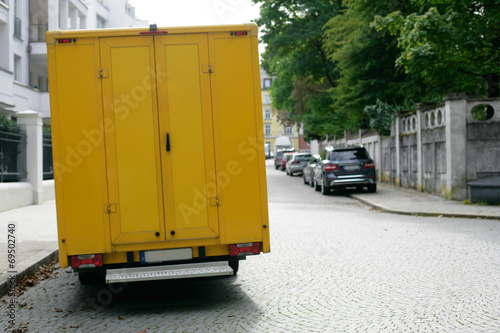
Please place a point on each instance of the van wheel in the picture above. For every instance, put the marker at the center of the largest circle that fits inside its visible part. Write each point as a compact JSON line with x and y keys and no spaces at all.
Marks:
{"x":91,"y":278}
{"x":372,"y":188}
{"x":234,"y":265}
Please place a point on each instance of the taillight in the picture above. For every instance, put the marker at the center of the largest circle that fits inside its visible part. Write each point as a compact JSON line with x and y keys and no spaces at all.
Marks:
{"x":244,"y":248}
{"x":295,"y":162}
{"x":331,"y":167}
{"x":369,"y":165}
{"x":86,"y":261}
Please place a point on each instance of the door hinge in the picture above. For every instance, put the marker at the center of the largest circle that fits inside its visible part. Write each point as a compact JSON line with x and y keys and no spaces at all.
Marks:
{"x":110,"y":208}
{"x":216,"y":201}
{"x":207,"y":68}
{"x":102,"y":73}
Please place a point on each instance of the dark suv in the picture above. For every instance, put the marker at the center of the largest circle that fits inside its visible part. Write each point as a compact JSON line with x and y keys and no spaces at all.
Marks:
{"x":345,"y":167}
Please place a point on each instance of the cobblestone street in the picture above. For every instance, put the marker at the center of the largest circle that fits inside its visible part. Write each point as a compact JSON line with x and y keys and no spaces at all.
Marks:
{"x":335,"y":266}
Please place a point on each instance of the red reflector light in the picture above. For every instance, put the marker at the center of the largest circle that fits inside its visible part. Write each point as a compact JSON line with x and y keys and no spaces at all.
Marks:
{"x":86,"y":261}
{"x":240,"y":33}
{"x":64,"y":40}
{"x":369,"y":165}
{"x":331,"y":167}
{"x":245,"y":248}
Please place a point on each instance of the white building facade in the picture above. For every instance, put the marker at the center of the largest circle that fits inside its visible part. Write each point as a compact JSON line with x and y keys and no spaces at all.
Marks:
{"x":24,"y":95}
{"x":23,"y":52}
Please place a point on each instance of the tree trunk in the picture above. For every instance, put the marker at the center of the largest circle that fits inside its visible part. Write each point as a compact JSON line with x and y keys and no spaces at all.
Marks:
{"x":493,"y":85}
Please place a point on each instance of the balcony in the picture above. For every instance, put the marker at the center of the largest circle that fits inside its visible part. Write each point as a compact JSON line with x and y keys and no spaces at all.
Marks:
{"x":37,"y":32}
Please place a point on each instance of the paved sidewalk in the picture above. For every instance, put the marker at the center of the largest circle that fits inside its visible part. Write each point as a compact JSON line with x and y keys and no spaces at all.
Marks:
{"x":35,"y":240}
{"x":36,"y":228}
{"x":406,"y":201}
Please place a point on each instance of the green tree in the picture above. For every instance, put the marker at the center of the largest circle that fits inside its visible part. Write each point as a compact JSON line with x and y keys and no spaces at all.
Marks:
{"x":448,"y":45}
{"x":296,"y":56}
{"x":365,"y":60}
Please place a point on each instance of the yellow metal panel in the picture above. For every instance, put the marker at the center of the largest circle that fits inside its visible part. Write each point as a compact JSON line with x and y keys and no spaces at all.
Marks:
{"x":188,"y":157}
{"x":77,"y":138}
{"x":52,"y":35}
{"x":132,"y":139}
{"x":236,"y":139}
{"x":186,"y":115}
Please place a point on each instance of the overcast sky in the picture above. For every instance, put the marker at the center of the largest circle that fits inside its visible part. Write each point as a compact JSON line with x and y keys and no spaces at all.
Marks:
{"x":169,"y":13}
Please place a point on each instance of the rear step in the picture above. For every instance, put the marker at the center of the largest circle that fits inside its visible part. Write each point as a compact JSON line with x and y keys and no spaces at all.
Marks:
{"x":168,"y":272}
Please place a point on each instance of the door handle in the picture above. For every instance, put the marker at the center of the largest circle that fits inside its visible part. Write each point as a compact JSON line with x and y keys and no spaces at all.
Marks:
{"x":168,"y":141}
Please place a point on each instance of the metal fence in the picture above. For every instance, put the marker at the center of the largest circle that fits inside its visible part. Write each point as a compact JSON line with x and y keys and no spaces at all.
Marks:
{"x":48,"y":170}
{"x":10,"y":140}
{"x":37,"y":32}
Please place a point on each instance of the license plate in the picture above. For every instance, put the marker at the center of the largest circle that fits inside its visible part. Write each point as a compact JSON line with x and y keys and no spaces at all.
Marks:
{"x":351,"y":167}
{"x":166,"y":255}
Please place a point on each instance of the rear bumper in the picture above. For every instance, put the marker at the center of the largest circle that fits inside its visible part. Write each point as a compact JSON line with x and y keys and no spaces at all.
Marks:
{"x":296,"y":168}
{"x":350,"y":181}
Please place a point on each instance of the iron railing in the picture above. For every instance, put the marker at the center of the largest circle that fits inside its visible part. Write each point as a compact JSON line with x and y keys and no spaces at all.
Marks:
{"x":37,"y":32}
{"x":48,"y":169}
{"x":10,"y":140}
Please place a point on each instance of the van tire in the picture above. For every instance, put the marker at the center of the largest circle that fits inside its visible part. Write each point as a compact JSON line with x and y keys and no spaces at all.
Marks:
{"x":91,"y":278}
{"x":372,"y":188}
{"x":234,"y":264}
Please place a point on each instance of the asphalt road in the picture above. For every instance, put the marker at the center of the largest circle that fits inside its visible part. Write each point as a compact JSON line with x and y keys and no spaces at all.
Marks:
{"x":335,"y":266}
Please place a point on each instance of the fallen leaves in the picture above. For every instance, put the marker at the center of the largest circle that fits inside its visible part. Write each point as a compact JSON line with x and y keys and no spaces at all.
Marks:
{"x":44,"y":272}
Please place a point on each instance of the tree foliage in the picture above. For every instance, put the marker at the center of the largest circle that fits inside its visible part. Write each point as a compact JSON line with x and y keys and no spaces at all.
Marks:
{"x":364,"y":58}
{"x":297,"y":58}
{"x":381,"y":115}
{"x":344,"y":64}
{"x":448,"y":45}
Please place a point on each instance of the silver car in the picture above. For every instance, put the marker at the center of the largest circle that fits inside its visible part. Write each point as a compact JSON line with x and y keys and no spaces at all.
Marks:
{"x":308,"y":172}
{"x":297,"y":163}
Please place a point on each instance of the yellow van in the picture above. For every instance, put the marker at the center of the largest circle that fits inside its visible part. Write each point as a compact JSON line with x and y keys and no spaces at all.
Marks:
{"x":158,"y":151}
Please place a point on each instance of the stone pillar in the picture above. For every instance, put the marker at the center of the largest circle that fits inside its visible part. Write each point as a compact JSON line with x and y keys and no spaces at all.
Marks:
{"x":31,"y":123}
{"x":397,"y":143}
{"x":53,"y":6}
{"x":456,"y":145}
{"x":83,"y":22}
{"x":63,"y":14}
{"x":420,"y":167}
{"x":74,"y":18}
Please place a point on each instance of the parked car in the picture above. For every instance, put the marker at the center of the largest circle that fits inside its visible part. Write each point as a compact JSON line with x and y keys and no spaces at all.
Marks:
{"x":279,"y":155}
{"x":297,"y":163}
{"x":308,"y":173}
{"x":345,"y":167}
{"x":285,"y":158}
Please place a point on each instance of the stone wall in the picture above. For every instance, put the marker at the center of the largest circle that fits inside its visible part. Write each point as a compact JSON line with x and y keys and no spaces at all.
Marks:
{"x":438,"y":149}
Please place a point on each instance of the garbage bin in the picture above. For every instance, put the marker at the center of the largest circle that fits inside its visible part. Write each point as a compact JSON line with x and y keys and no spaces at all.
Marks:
{"x":486,"y":190}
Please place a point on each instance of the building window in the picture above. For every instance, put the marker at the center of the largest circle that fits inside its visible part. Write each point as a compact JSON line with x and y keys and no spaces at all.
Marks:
{"x":267,"y":130}
{"x":267,"y":83}
{"x":17,"y":20}
{"x":288,"y":129}
{"x":17,"y":68}
{"x":267,"y":114}
{"x":101,"y":23}
{"x":267,"y":99}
